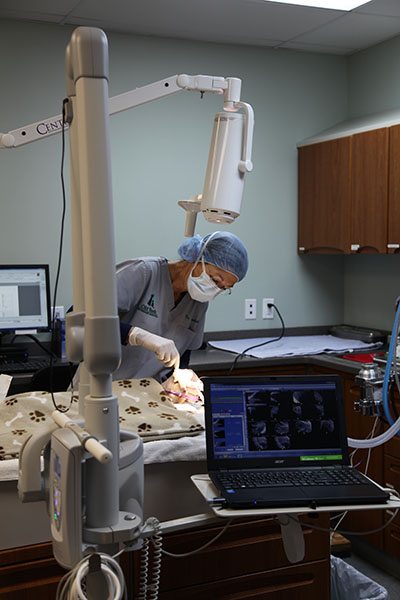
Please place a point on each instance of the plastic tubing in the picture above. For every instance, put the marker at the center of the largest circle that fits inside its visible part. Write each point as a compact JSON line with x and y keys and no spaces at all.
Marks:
{"x":395,"y":426}
{"x":389,"y":362}
{"x":374,"y":442}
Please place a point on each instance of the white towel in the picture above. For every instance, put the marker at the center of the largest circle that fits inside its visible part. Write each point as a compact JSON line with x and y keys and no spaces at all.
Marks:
{"x":183,"y":449}
{"x":159,"y":451}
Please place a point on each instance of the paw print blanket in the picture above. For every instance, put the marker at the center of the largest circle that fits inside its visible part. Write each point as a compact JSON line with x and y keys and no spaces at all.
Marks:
{"x":144,"y":408}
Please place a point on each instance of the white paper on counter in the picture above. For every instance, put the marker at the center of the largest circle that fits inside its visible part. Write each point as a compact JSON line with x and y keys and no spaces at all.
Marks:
{"x":294,"y":346}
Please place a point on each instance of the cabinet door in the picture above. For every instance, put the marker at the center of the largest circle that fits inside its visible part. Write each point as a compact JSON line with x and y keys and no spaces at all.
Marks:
{"x":369,"y":191}
{"x":29,"y":573}
{"x":392,"y":538}
{"x":308,"y":581}
{"x":393,"y":239}
{"x":359,"y":427}
{"x":246,"y":547}
{"x":392,"y":479}
{"x":324,"y":197}
{"x":248,"y":560}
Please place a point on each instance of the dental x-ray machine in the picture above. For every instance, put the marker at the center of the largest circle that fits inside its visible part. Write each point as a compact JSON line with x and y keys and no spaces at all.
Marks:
{"x":93,"y":479}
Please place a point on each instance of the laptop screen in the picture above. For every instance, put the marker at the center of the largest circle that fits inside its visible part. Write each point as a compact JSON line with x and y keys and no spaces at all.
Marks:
{"x":275,"y":421}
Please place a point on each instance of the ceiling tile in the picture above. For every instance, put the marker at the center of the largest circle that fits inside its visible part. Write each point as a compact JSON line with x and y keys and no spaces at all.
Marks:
{"x":354,"y":30}
{"x":44,"y":7}
{"x":27,"y":15}
{"x":252,"y":22}
{"x":320,"y":48}
{"x":178,"y":32}
{"x":261,"y":20}
{"x":389,"y":8}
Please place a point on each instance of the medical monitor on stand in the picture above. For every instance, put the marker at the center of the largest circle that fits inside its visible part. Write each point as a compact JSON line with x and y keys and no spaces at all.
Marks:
{"x":24,"y":300}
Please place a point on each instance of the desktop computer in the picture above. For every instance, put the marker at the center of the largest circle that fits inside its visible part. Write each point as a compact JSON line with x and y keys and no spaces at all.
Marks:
{"x":24,"y":309}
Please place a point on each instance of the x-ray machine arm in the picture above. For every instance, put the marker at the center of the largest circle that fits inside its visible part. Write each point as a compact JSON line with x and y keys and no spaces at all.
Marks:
{"x":93,"y":328}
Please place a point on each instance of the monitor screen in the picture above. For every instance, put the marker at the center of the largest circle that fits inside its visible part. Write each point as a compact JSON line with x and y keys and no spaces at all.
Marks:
{"x":269,"y":421}
{"x":24,"y":297}
{"x":276,"y":418}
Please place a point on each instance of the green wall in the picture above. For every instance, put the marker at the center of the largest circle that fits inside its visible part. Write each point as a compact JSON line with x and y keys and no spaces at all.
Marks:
{"x":159,"y":155}
{"x":372,"y":283}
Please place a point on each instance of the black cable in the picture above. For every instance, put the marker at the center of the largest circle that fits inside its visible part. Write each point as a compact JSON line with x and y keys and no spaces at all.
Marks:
{"x":60,"y":249}
{"x":344,"y":531}
{"x":239,"y":356}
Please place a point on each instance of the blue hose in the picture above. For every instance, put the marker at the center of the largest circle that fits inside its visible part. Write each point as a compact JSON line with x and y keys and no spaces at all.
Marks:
{"x":388,"y":369}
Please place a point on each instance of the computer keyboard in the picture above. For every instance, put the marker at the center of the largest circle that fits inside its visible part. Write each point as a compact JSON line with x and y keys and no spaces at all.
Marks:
{"x":31,"y":365}
{"x":257,"y":479}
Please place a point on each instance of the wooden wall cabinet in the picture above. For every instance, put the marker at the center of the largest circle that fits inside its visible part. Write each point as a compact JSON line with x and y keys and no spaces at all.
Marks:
{"x":393,"y":245}
{"x":349,"y":194}
{"x":324,"y":197}
{"x":369,"y":191}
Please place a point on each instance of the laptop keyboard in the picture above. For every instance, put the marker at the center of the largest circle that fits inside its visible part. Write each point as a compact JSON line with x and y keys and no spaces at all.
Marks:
{"x":260,"y":479}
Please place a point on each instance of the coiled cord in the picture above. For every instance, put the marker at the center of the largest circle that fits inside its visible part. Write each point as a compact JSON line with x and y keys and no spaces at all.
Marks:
{"x":145,"y":586}
{"x":157,"y":555}
{"x":143,"y":570}
{"x":70,"y":586}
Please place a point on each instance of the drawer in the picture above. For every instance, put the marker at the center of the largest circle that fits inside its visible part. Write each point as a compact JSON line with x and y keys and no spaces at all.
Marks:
{"x":365,"y":520}
{"x":392,"y":447}
{"x":391,"y":470}
{"x":310,"y":581}
{"x":392,"y":538}
{"x":391,"y":479}
{"x":34,"y":580}
{"x":246,"y":547}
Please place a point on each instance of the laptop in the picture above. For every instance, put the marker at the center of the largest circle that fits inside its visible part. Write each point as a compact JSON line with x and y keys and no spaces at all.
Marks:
{"x":281,"y":441}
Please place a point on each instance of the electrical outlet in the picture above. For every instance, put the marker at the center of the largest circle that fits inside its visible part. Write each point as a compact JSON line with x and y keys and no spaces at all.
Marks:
{"x":268,"y":311}
{"x":250,"y":308}
{"x":59,"y":313}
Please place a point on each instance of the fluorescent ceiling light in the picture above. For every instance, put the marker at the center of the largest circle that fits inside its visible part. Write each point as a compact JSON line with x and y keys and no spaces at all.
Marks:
{"x":333,"y":4}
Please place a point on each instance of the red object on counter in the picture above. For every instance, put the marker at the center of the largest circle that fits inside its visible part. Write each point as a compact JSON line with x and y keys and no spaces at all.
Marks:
{"x":363,"y":358}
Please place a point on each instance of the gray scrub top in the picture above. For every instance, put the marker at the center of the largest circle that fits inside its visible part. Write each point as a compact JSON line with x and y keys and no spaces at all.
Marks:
{"x":146,"y":299}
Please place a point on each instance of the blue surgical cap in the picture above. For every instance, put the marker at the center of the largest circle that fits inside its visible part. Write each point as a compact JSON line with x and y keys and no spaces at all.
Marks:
{"x":224,"y":250}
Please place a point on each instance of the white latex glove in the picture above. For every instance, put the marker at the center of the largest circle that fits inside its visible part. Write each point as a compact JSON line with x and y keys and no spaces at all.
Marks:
{"x":185,"y":386}
{"x":164,"y":349}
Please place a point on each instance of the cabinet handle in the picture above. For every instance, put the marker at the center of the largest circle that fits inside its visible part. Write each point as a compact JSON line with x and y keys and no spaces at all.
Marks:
{"x":393,"y":245}
{"x":354,"y":247}
{"x":301,"y":249}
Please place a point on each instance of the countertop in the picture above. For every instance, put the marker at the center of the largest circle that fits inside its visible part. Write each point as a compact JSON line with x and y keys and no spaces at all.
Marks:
{"x":211,"y":359}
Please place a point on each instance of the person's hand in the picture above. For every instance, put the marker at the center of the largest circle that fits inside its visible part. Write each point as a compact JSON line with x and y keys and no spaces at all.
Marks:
{"x":184,"y":386}
{"x":164,"y":349}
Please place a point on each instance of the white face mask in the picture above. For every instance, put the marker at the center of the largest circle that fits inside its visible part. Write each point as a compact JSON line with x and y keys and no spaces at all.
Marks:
{"x":202,"y":288}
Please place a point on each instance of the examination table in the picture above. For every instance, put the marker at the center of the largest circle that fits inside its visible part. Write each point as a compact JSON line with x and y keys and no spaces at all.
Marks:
{"x":249,"y":558}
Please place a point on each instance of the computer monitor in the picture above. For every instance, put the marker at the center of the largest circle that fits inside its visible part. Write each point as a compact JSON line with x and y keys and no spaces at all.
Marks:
{"x":24,"y":298}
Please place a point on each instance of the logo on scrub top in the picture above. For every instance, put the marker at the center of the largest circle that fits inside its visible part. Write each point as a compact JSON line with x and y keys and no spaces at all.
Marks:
{"x":149,"y":308}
